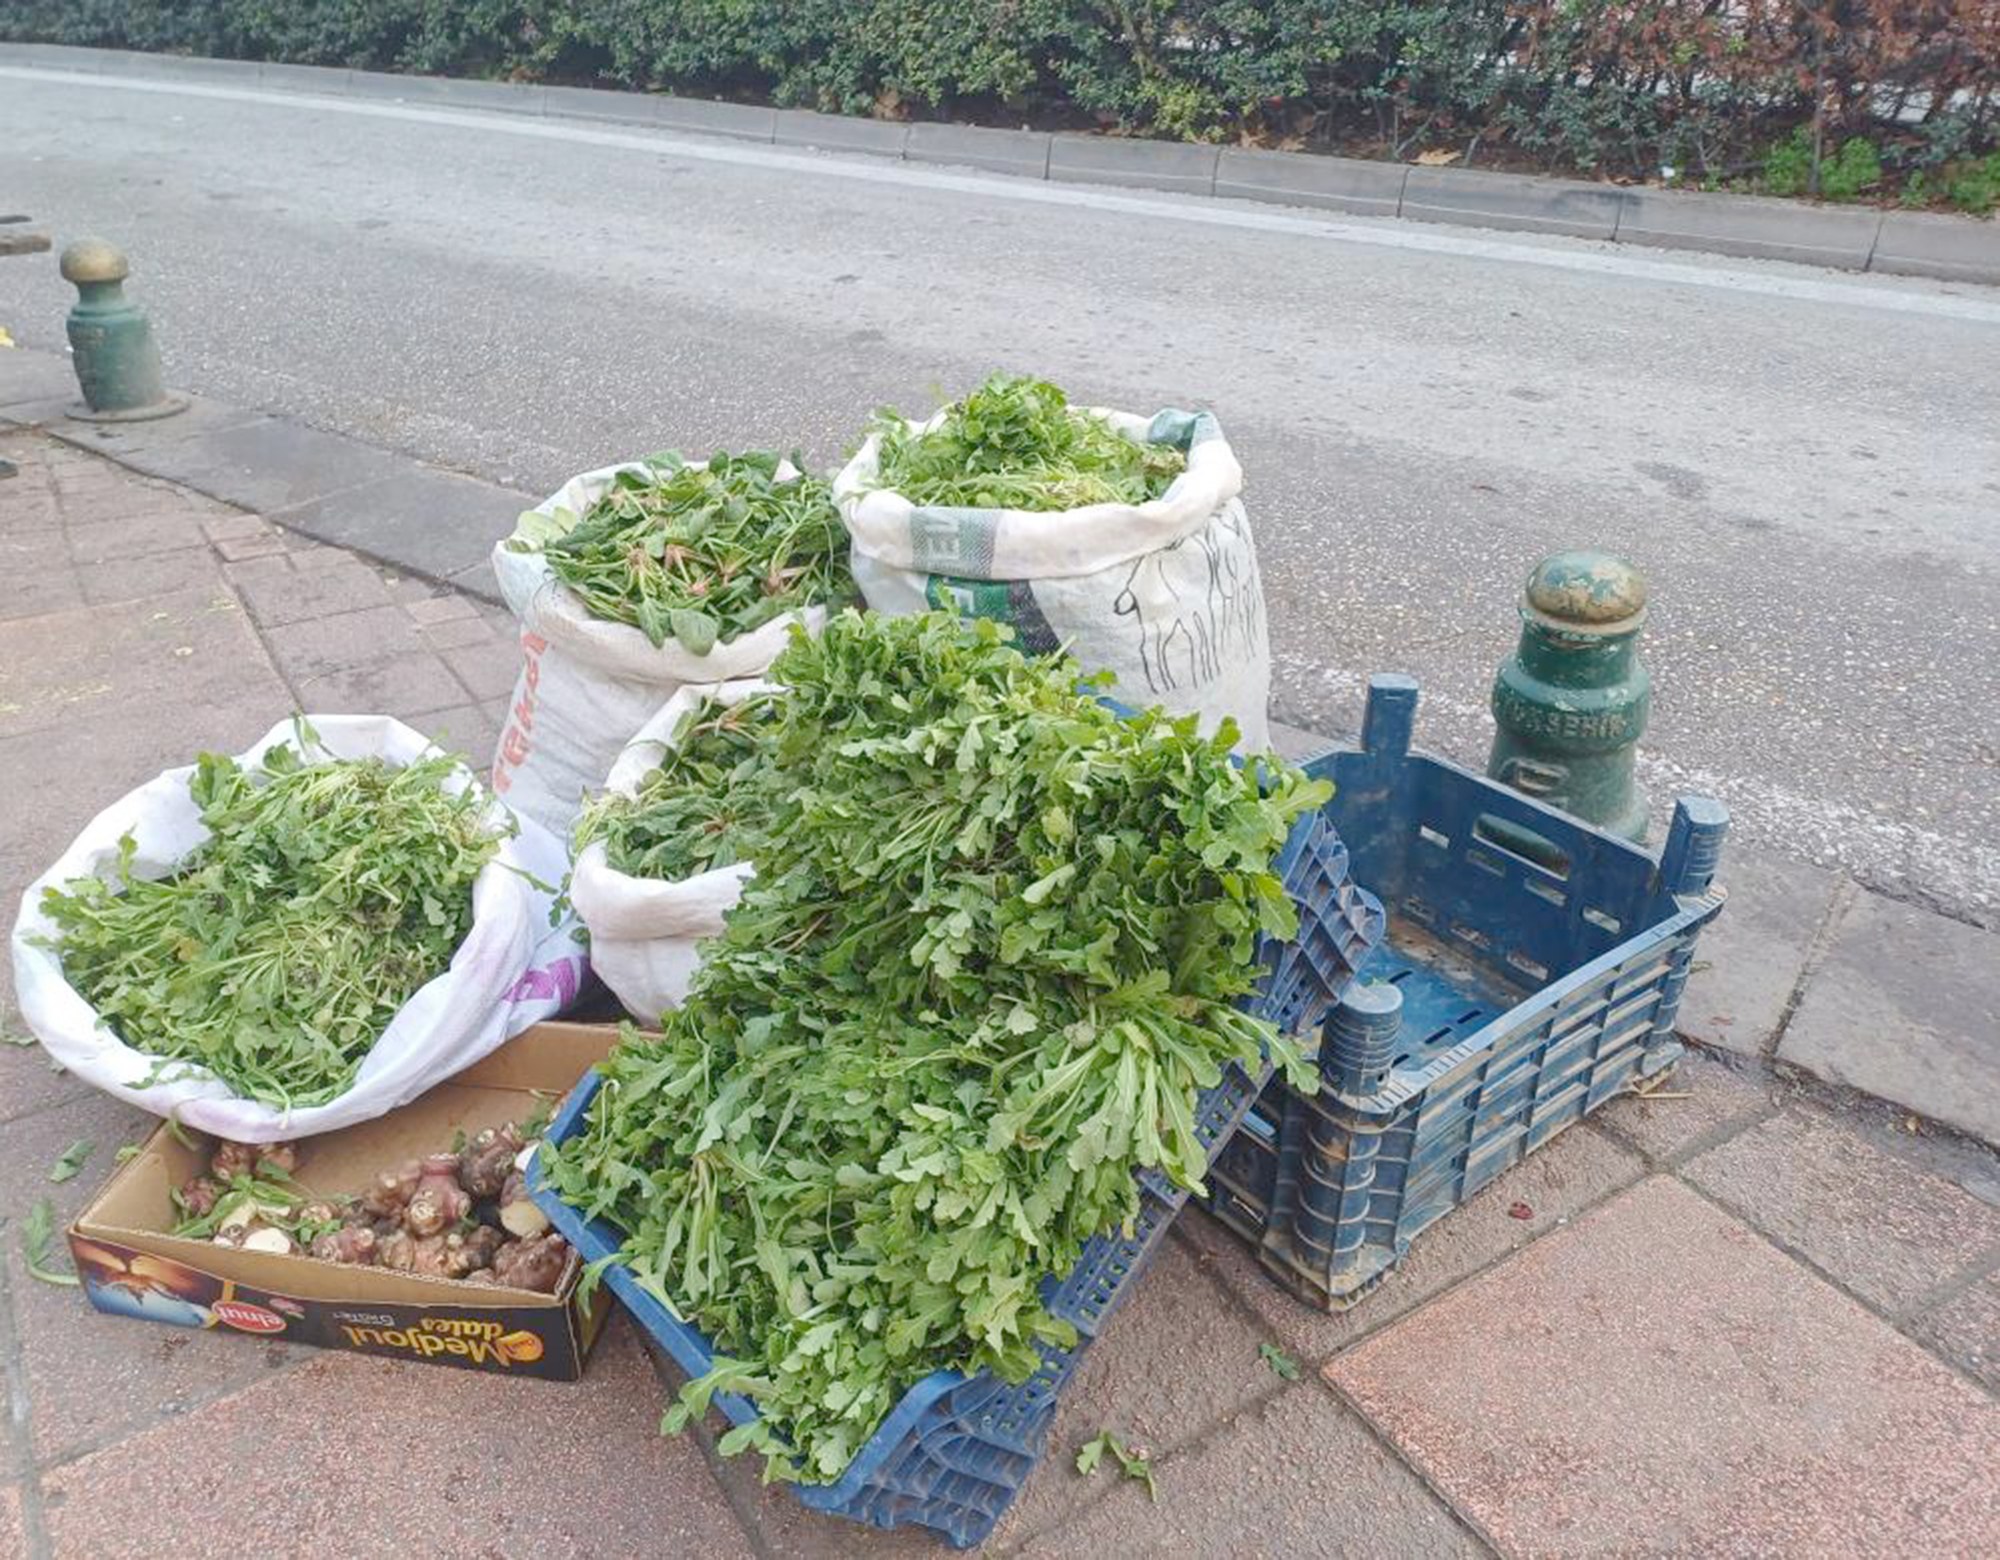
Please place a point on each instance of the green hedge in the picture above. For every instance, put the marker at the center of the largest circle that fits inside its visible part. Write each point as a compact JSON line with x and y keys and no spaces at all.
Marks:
{"x":1619,"y":86}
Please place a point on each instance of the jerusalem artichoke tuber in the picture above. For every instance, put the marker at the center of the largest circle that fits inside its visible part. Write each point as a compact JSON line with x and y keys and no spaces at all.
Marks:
{"x":518,"y":1212}
{"x":536,"y":1262}
{"x":488,"y":1160}
{"x":438,"y":1201}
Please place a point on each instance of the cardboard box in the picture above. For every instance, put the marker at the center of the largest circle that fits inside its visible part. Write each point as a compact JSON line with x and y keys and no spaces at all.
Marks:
{"x":131,"y":1266}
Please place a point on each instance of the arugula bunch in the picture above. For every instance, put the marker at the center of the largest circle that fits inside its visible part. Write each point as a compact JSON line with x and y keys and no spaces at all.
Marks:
{"x":693,"y":812}
{"x":702,"y":554}
{"x":990,"y":955}
{"x":1017,"y":443}
{"x":277,"y":952}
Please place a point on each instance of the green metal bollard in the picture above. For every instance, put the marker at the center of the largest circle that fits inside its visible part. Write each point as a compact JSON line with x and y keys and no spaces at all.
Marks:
{"x":117,"y":364}
{"x":1570,"y":703}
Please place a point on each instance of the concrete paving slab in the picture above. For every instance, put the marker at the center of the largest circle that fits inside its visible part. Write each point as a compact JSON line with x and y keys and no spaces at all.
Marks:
{"x":103,"y":666}
{"x":28,"y":1082}
{"x":840,"y":132}
{"x":1953,"y":248}
{"x":477,"y":580}
{"x":975,"y":146}
{"x":127,"y":530}
{"x":278,"y":592}
{"x":139,"y":577}
{"x":431,"y":523}
{"x":266,"y":465}
{"x":1133,"y":164}
{"x":1702,"y":1101}
{"x":318,"y":647}
{"x":41,"y":581}
{"x":1514,"y":201}
{"x":1966,"y":1331}
{"x":1906,"y":1006}
{"x":487,"y":670}
{"x":1888,"y":1229}
{"x":1555,"y":1184}
{"x":1752,"y":955}
{"x":1842,"y":236}
{"x":91,"y":1378}
{"x":478,"y":1465}
{"x":1373,"y":189}
{"x":1660,"y":1380}
{"x":1300,"y":1475}
{"x":409,"y":683}
{"x":13,"y":1528}
{"x":27,"y":376}
{"x":464,"y":633}
{"x":1175,"y":1360}
{"x":465,"y":729}
{"x":121,"y":439}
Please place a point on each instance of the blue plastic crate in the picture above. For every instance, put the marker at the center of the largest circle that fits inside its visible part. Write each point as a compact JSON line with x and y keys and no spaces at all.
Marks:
{"x":1540,"y":963}
{"x":956,"y":1450}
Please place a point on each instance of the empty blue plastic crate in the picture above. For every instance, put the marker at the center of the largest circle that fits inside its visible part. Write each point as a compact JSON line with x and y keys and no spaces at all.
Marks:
{"x":956,"y":1450}
{"x":1534,"y":987}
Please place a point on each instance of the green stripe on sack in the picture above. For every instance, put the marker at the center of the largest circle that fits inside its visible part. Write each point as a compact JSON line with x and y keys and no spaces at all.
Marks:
{"x":953,"y":541}
{"x":1183,"y":430}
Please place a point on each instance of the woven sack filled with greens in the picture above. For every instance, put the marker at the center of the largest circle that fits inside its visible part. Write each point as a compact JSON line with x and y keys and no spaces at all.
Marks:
{"x":298,"y":938}
{"x":629,"y":582}
{"x":662,"y":855}
{"x":1120,"y":539}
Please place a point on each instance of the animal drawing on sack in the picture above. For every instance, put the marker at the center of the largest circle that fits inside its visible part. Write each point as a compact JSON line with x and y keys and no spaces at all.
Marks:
{"x":1196,"y":604}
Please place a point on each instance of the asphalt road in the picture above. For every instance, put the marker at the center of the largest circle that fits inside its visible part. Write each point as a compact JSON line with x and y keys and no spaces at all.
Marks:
{"x":1806,"y":465}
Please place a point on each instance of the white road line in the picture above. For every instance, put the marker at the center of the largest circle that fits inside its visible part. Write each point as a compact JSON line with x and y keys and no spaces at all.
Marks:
{"x":1897,"y":296}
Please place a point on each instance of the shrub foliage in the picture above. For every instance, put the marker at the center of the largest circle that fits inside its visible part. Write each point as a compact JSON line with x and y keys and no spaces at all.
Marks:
{"x":1713,"y":89}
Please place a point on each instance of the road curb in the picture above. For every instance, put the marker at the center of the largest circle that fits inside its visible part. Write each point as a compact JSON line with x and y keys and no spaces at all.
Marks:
{"x":1948,"y":248}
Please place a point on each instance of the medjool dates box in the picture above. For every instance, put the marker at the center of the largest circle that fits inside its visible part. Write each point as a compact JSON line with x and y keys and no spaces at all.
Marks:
{"x":130,"y":1265}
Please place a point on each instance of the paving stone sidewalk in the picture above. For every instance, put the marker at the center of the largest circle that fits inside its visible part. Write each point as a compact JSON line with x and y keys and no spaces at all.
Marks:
{"x":1754,"y":1313}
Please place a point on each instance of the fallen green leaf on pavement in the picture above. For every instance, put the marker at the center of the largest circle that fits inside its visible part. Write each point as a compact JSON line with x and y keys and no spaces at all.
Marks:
{"x":72,"y":1160}
{"x":36,"y":1236}
{"x":1283,"y":1366}
{"x":1135,"y":1465}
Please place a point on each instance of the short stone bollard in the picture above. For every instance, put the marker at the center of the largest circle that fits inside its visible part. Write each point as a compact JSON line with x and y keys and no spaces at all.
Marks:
{"x":1570,"y":704}
{"x":117,"y":361}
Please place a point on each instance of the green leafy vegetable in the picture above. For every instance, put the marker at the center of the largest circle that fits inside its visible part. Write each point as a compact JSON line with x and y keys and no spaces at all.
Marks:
{"x":702,"y":554}
{"x":73,"y":1159}
{"x":16,"y":1038}
{"x":277,"y":952}
{"x":693,"y":813}
{"x":1134,"y":1466}
{"x":1018,"y":444}
{"x":36,"y":1235}
{"x":991,"y":953}
{"x":1283,"y":1366}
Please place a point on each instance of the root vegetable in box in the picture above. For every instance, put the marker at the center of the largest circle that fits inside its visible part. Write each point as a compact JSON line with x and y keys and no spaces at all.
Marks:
{"x":453,"y":1214}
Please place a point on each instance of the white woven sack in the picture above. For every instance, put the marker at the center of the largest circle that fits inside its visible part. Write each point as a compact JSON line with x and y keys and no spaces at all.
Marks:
{"x":514,"y":968}
{"x":585,"y":684}
{"x":645,"y":933}
{"x":1164,"y":594}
